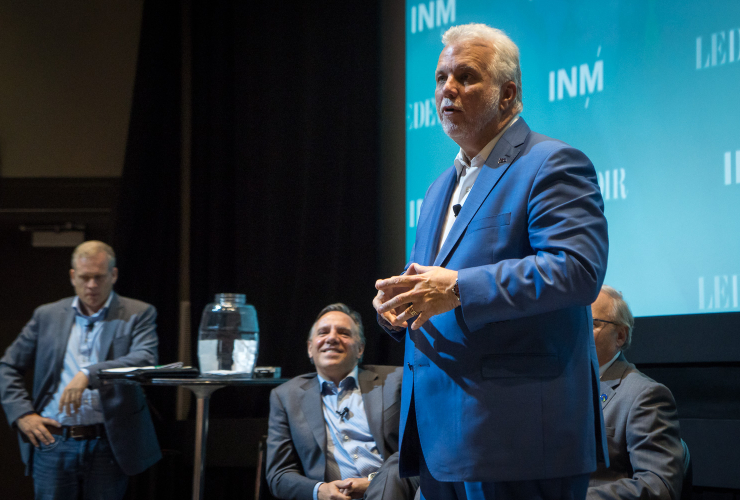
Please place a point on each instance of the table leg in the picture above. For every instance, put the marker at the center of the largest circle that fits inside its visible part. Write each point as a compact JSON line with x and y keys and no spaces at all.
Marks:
{"x":202,"y":397}
{"x":201,"y":437}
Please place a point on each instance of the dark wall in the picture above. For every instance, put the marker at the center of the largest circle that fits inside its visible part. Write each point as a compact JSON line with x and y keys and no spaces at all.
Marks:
{"x":698,"y":358}
{"x":285,"y":167}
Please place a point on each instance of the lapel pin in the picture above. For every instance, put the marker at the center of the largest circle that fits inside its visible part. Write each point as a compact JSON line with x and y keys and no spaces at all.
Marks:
{"x":603,"y":398}
{"x":501,"y":160}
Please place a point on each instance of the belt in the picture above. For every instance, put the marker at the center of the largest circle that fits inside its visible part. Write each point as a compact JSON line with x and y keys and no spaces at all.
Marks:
{"x":78,"y":431}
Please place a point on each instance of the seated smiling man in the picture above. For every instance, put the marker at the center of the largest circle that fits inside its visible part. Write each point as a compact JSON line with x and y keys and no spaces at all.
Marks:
{"x":333,"y":434}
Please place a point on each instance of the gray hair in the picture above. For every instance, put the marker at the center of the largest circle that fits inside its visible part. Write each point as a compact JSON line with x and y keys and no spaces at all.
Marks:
{"x":339,"y":307}
{"x":504,"y":65}
{"x":91,"y":248}
{"x":356,"y":319}
{"x":621,"y":313}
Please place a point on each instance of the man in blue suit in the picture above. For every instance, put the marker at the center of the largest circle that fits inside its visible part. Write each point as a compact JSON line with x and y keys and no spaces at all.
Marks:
{"x":500,"y":385}
{"x":80,"y":438}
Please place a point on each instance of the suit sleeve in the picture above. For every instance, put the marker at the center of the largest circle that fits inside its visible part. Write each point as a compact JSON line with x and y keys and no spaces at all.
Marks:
{"x":143,"y":349}
{"x":18,"y":358}
{"x":398,"y":334}
{"x":655,"y":450}
{"x":568,"y":237}
{"x":285,"y":475}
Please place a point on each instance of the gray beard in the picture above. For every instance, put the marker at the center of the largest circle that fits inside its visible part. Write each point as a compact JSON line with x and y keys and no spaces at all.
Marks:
{"x":470,"y":130}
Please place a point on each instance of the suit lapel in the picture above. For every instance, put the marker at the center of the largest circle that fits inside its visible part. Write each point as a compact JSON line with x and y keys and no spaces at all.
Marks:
{"x":67,"y":317}
{"x":312,"y":410}
{"x":372,"y":399}
{"x":432,"y":218}
{"x":508,"y":148}
{"x":109,"y":328}
{"x":612,"y":378}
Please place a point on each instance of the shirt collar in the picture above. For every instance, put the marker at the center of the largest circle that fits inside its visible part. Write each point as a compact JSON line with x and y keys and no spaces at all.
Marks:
{"x":461,"y":161}
{"x":351,"y":375}
{"x":603,"y":369}
{"x":98,"y":315}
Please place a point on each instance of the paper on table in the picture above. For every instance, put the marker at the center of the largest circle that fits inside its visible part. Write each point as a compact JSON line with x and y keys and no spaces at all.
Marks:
{"x":225,"y":372}
{"x":127,"y":369}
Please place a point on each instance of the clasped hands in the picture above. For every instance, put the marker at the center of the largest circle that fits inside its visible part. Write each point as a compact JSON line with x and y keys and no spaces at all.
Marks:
{"x":344,"y":489}
{"x":428,"y":289}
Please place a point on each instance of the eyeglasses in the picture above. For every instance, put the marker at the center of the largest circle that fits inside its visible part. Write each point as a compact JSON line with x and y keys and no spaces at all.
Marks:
{"x":597,"y":321}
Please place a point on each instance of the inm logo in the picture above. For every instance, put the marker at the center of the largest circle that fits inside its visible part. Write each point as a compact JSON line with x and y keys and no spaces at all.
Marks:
{"x":720,"y":48}
{"x":432,"y":15}
{"x":577,"y":80}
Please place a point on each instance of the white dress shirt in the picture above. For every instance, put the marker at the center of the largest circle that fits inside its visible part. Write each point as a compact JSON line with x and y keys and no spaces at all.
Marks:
{"x":467,"y":173}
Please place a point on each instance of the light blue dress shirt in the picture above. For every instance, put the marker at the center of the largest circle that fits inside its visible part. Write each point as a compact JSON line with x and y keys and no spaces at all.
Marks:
{"x":351,"y":451}
{"x":83,"y":349}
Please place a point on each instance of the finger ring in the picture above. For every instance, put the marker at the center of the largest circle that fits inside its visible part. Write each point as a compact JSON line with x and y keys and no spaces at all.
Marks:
{"x":411,"y":311}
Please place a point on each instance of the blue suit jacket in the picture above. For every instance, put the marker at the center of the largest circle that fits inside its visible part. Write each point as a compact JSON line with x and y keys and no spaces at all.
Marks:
{"x":505,"y":387}
{"x":128,"y":338}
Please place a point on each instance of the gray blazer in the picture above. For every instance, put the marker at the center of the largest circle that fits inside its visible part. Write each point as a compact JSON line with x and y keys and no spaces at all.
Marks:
{"x":642,"y":431}
{"x":296,"y":440}
{"x":128,"y":338}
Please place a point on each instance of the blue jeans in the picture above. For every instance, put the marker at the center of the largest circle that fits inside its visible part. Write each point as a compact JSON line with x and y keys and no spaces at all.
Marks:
{"x":71,"y":469}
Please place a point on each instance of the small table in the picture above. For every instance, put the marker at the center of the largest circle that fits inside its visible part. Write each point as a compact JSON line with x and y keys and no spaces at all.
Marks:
{"x":202,"y":387}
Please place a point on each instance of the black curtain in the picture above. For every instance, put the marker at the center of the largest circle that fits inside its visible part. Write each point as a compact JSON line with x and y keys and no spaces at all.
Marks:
{"x":146,"y":233}
{"x":147,"y":225}
{"x":285,"y":167}
{"x":284,"y":198}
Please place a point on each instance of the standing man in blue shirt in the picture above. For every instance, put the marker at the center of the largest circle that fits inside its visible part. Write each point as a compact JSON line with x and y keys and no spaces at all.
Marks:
{"x":333,"y":434}
{"x":79,"y":438}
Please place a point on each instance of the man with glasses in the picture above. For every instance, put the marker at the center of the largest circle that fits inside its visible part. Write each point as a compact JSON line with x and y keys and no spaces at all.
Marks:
{"x":645,"y":450}
{"x":79,"y":438}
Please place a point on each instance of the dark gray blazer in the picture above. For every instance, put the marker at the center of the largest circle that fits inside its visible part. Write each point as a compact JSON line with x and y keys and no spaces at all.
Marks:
{"x":128,"y":338}
{"x":296,"y":440}
{"x":645,"y":451}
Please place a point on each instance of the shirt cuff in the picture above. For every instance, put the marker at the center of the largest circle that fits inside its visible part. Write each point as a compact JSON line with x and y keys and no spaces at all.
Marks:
{"x":385,"y":324}
{"x":316,"y":490}
{"x":86,"y":372}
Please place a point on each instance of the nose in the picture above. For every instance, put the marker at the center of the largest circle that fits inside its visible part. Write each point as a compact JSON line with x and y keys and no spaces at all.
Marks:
{"x":332,"y":336}
{"x":449,"y":89}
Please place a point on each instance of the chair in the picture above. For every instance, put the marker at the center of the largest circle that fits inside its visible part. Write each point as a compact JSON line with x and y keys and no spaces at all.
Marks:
{"x":688,"y":474}
{"x":261,"y":491}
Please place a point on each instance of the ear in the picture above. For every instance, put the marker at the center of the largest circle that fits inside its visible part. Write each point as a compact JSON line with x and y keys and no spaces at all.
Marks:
{"x":308,"y":348}
{"x":621,"y":335}
{"x":114,"y":274}
{"x":360,"y":351}
{"x":509,"y":92}
{"x":72,"y":276}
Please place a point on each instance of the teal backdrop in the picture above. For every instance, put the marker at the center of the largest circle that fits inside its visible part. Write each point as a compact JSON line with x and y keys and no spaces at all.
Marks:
{"x":650,"y":91}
